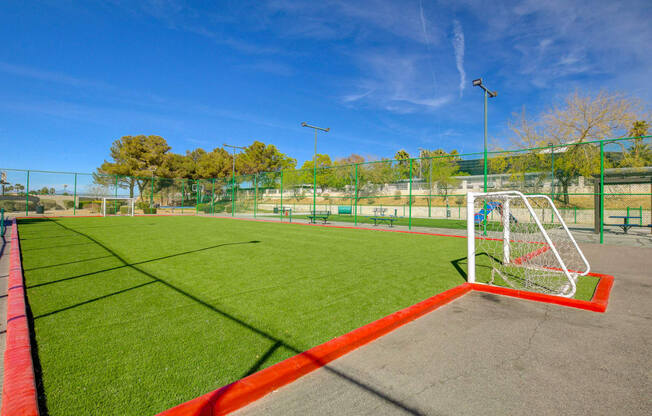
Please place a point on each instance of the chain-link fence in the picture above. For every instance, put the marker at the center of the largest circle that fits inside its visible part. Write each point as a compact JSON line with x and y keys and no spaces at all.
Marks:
{"x":600,"y":187}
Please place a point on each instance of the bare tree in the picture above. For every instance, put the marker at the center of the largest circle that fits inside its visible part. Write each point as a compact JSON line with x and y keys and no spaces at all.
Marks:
{"x":577,"y":119}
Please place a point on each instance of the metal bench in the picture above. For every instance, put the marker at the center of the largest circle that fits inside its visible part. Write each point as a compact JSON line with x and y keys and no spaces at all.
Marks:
{"x":322,"y":215}
{"x":626,"y":225}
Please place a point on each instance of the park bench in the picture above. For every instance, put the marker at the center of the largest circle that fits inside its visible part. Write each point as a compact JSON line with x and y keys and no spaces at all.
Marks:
{"x":626,"y":225}
{"x":322,"y":215}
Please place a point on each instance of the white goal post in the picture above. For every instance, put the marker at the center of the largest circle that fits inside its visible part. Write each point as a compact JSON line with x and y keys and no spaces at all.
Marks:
{"x":521,"y":241}
{"x":130,"y":203}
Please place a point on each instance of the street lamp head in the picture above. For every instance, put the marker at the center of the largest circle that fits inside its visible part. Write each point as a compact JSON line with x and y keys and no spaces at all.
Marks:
{"x":493,"y":94}
{"x":477,"y":82}
{"x":304,"y":124}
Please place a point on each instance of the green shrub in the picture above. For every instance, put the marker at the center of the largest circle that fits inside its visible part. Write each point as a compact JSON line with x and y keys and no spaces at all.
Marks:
{"x":142,"y":205}
{"x":124,"y":209}
{"x":9,"y":205}
{"x":68,"y":203}
{"x":148,"y":210}
{"x":397,"y":195}
{"x":49,"y":204}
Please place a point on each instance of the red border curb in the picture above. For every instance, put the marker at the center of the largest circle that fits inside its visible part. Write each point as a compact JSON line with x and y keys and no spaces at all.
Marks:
{"x":242,"y":392}
{"x":598,"y":302}
{"x":19,"y":395}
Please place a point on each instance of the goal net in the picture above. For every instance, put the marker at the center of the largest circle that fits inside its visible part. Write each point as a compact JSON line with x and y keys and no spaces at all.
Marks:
{"x":521,"y":241}
{"x":117,"y":206}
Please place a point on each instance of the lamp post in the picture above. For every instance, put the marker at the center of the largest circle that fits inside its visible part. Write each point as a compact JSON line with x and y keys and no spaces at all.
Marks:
{"x":491,"y":94}
{"x":552,"y":171}
{"x":314,"y":167}
{"x":233,"y":176}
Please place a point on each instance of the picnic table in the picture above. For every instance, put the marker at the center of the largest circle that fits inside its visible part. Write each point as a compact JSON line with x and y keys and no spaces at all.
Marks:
{"x":322,"y":215}
{"x":626,"y":225}
{"x":382,"y":218}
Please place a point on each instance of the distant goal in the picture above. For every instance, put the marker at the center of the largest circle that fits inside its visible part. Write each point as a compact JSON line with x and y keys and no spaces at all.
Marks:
{"x":521,"y":241}
{"x":118,"y":206}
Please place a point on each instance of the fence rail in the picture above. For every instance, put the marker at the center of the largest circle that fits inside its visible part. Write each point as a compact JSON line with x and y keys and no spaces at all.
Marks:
{"x":595,"y":184}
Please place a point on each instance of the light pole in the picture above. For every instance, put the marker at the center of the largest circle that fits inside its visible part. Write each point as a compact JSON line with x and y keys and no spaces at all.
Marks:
{"x":233,"y":175}
{"x":552,"y":171}
{"x":491,"y":94}
{"x":314,"y":167}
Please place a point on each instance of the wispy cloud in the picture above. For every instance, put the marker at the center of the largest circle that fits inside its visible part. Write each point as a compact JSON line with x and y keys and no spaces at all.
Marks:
{"x":458,"y":47}
{"x":49,"y":76}
{"x":394,"y":81}
{"x":426,"y":38}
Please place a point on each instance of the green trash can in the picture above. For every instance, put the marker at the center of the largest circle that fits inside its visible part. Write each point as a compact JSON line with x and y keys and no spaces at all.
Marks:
{"x":40,"y":209}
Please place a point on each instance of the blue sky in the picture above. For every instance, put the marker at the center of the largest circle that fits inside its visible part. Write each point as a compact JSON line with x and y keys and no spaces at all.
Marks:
{"x":383,"y":75}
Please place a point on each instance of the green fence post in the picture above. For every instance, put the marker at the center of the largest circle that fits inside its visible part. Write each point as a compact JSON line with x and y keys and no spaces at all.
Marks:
{"x":430,"y":190}
{"x":640,"y":216}
{"x":27,"y":196}
{"x":255,"y":194}
{"x":183,"y":194}
{"x":281,"y":210}
{"x":627,"y":214}
{"x":601,"y":192}
{"x":74,"y":197}
{"x":213,"y":198}
{"x":355,"y":195}
{"x":115,"y":201}
{"x":197,"y":196}
{"x":233,"y":194}
{"x":314,"y":184}
{"x":410,"y":200}
{"x":151,"y":193}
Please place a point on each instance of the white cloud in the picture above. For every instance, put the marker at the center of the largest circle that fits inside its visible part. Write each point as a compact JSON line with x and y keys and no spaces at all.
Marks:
{"x":458,"y":47}
{"x":394,"y":81}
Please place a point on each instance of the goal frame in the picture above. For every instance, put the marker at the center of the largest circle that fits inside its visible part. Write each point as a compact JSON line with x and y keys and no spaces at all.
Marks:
{"x":132,"y":203}
{"x":470,"y":218}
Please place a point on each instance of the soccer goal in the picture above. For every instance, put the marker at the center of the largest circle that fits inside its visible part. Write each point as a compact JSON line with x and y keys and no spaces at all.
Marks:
{"x":118,"y":206}
{"x":521,"y":241}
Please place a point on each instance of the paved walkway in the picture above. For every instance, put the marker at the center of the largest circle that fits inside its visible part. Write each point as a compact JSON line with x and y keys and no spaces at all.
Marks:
{"x":490,"y":355}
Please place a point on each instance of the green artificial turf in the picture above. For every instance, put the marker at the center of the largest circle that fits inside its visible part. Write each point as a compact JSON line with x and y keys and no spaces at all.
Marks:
{"x":135,"y":315}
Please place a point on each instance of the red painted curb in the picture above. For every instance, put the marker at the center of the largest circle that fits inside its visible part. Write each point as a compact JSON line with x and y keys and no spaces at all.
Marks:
{"x":19,"y":395}
{"x":597,"y":304}
{"x":242,"y":392}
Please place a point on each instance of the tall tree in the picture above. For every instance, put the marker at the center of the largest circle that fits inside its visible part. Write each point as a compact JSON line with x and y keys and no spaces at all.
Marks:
{"x":325,"y":175}
{"x":259,"y":157}
{"x":135,"y":158}
{"x":639,"y":153}
{"x":440,"y":168}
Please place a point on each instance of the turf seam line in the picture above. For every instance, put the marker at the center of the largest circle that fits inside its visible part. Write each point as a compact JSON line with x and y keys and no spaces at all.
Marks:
{"x":19,"y":396}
